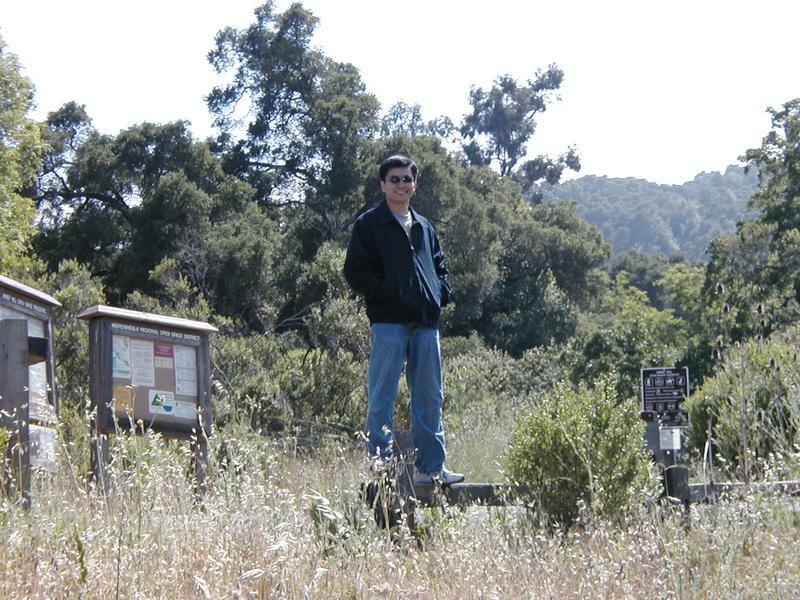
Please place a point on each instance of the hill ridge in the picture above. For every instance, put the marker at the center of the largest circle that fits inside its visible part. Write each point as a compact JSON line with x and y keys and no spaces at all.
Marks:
{"x":637,"y":214}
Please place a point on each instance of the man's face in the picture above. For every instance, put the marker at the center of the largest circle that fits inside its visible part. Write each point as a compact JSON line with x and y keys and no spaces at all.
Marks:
{"x":399,"y":185}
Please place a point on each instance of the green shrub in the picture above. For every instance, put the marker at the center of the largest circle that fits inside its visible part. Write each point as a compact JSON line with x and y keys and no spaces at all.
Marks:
{"x":319,"y":385}
{"x":485,"y":389}
{"x":752,"y":402}
{"x":626,"y":335}
{"x":5,"y":437}
{"x":270,"y":383}
{"x":76,"y":289}
{"x":580,"y":447}
{"x":241,"y":367}
{"x":488,"y":380}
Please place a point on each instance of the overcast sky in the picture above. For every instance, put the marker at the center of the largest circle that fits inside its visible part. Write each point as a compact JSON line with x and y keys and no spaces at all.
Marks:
{"x":654,"y":90}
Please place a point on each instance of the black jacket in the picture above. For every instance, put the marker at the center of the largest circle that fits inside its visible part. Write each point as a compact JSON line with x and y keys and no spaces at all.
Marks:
{"x":402,"y":280}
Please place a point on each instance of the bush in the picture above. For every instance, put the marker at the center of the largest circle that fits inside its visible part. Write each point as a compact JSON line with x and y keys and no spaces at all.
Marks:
{"x":752,"y":402}
{"x":580,"y":447}
{"x":488,"y":379}
{"x":243,"y":389}
{"x":485,"y":389}
{"x":627,"y":335}
{"x":76,"y":289}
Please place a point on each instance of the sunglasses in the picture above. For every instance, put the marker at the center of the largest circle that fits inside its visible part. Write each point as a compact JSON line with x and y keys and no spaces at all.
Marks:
{"x":404,"y":179}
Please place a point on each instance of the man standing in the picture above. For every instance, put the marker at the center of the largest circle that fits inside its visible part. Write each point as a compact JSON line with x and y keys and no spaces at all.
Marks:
{"x":395,"y":262}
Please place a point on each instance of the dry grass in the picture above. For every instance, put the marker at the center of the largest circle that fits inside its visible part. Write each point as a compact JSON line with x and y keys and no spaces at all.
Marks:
{"x":255,"y":538}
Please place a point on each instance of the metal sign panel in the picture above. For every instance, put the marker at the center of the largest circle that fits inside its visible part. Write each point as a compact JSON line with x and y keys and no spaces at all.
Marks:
{"x":663,"y":391}
{"x":670,"y":438}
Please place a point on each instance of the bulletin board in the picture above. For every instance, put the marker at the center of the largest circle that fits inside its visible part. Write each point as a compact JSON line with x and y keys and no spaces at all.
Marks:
{"x":149,"y":372}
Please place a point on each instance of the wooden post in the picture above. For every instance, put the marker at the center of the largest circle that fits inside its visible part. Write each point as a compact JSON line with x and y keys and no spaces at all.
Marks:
{"x":199,"y":464}
{"x":99,"y":390}
{"x":404,"y":447}
{"x":14,"y":407}
{"x":100,"y":461}
{"x":51,"y":366}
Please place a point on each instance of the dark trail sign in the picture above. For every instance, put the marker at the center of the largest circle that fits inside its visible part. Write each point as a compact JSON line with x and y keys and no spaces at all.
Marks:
{"x":663,"y":392}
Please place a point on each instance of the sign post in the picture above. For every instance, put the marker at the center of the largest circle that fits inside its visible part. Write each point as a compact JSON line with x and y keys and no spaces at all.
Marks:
{"x":149,"y":372}
{"x":663,"y":393}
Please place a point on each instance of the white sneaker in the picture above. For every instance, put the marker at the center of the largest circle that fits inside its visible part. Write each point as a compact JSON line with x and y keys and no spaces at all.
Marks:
{"x":443,"y":477}
{"x":378,"y":465}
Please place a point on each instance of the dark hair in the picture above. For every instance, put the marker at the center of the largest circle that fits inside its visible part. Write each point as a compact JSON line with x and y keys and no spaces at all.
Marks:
{"x":398,"y":160}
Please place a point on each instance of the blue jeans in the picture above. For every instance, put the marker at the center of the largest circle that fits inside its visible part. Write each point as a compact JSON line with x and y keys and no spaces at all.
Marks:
{"x":393,"y":345}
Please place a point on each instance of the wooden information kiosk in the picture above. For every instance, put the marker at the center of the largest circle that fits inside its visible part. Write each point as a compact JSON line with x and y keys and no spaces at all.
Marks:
{"x":149,"y":372}
{"x":27,"y":383}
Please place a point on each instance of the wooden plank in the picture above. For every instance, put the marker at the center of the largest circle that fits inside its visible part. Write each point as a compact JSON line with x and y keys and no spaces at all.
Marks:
{"x":487,"y":494}
{"x":497,"y":494}
{"x":100,"y":380}
{"x":24,"y":290}
{"x":14,"y":406}
{"x":462,"y":494}
{"x":700,"y":492}
{"x":51,"y":366}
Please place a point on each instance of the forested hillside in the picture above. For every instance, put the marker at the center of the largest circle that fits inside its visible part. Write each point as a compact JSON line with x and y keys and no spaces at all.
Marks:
{"x":634,"y":214}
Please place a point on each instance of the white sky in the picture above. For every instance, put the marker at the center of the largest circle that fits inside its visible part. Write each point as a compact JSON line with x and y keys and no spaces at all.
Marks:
{"x":656,"y":90}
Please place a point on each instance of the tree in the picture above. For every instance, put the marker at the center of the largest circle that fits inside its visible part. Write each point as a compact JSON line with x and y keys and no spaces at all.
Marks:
{"x":778,"y":164}
{"x":638,"y":215}
{"x":778,"y":198}
{"x":740,"y":266}
{"x":20,"y":157}
{"x":626,"y":335}
{"x":645,"y":272}
{"x":547,"y":265}
{"x":64,"y":131}
{"x":502,"y":122}
{"x":121,"y":205}
{"x":759,"y":267}
{"x":306,"y":116}
{"x":573,"y":249}
{"x":404,"y":120}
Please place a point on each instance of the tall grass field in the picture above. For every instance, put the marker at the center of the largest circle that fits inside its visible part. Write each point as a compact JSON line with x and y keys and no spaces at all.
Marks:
{"x":278,"y":521}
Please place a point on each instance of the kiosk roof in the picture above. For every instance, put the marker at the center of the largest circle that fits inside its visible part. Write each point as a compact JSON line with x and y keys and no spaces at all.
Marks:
{"x":23,"y":289}
{"x":96,"y":312}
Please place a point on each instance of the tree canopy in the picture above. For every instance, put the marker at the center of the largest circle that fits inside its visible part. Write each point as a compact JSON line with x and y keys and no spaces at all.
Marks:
{"x":20,"y":156}
{"x":502,"y":122}
{"x":638,"y":215}
{"x":121,"y":205}
{"x":304,"y":116}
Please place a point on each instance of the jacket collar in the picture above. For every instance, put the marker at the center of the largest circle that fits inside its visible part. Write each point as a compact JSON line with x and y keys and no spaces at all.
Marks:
{"x":385,"y":214}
